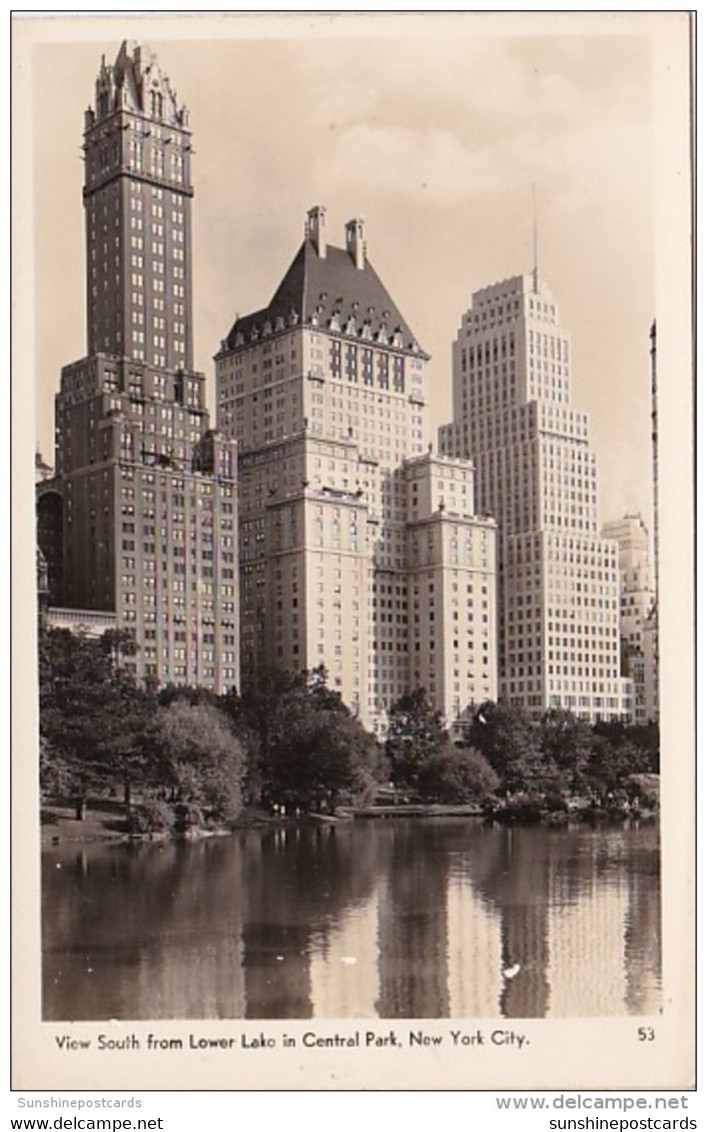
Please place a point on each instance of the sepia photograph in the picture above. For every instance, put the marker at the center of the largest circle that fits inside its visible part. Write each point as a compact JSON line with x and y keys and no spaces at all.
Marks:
{"x":353,"y":438}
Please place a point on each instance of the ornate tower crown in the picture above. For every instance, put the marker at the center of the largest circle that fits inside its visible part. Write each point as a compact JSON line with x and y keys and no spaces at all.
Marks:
{"x":137,"y":83}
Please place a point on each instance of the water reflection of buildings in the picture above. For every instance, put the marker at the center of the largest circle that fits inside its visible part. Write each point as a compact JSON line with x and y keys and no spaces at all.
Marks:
{"x":275,"y":933}
{"x":413,"y":954}
{"x":582,"y":926}
{"x":401,"y":921}
{"x":643,"y":940}
{"x":474,"y":949}
{"x":344,"y":965}
{"x":130,"y":932}
{"x":201,"y":968}
{"x":585,"y":953}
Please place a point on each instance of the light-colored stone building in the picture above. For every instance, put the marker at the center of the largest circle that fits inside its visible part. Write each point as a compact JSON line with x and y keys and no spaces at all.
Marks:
{"x":144,"y":493}
{"x":360,"y":550}
{"x":637,"y":599}
{"x":535,"y":473}
{"x":651,"y":633}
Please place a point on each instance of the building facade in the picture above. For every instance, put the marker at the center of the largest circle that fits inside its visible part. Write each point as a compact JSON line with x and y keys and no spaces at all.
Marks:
{"x":651,"y":636}
{"x":558,"y":589}
{"x":144,"y":492}
{"x":637,"y":599}
{"x":355,"y":540}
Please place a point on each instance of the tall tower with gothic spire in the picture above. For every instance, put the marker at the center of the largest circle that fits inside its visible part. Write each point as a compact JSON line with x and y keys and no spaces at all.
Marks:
{"x":145,"y":488}
{"x":137,"y":198}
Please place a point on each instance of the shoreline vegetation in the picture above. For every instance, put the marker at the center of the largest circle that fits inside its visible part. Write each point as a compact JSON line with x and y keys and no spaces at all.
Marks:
{"x":100,"y":824}
{"x":129,"y":761}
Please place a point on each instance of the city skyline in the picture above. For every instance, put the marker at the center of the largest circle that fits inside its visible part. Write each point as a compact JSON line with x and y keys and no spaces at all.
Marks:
{"x":422,"y":168}
{"x":438,"y":132}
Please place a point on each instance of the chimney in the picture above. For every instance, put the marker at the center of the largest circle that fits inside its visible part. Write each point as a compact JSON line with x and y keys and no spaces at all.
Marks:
{"x":355,"y":244}
{"x":314,"y":229}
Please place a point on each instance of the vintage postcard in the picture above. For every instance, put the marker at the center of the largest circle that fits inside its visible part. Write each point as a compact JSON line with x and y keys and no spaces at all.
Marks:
{"x":353,"y":665}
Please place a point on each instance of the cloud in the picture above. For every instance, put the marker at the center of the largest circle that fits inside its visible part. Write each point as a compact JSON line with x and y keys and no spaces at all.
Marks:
{"x":402,"y":161}
{"x":445,"y":120}
{"x":492,"y":83}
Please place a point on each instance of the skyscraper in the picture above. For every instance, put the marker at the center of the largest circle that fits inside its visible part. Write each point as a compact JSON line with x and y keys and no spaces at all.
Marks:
{"x":144,"y":493}
{"x":536,"y":475}
{"x":360,"y":550}
{"x":651,"y":636}
{"x":637,"y":600}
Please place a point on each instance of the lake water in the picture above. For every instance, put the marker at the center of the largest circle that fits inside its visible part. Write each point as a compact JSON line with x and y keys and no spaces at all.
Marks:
{"x":398,"y":918}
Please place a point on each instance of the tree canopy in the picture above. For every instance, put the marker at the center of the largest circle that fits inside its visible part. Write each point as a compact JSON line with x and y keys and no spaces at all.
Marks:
{"x":305,"y":748}
{"x":415,"y":732}
{"x":328,"y":759}
{"x":202,"y":762}
{"x":457,"y":775}
{"x":93,"y":716}
{"x":290,"y":740}
{"x":506,"y":737}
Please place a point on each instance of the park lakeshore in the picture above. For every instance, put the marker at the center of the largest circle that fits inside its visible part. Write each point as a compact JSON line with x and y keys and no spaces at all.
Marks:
{"x":181,"y":761}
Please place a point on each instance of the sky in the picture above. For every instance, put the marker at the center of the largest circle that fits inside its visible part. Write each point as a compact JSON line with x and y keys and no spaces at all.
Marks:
{"x":435,"y":131}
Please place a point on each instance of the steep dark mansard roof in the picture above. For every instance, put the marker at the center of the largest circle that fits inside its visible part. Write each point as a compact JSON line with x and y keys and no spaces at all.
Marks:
{"x":318,"y":289}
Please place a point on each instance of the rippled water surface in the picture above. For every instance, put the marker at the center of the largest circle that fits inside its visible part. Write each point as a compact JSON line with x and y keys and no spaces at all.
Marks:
{"x":391,"y":919}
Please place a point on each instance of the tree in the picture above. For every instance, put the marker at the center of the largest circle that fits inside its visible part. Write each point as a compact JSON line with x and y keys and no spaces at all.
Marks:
{"x":457,"y":775}
{"x":644,"y":737}
{"x":505,"y":736}
{"x":118,"y":644}
{"x":415,"y":732}
{"x":328,"y":759}
{"x":202,"y":761}
{"x":193,"y":694}
{"x":566,"y":744}
{"x":93,"y":716}
{"x":271,"y":713}
{"x":56,"y":775}
{"x":610,"y":766}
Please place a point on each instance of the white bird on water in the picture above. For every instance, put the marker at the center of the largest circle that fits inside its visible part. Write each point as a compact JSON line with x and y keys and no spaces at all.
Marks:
{"x":511,"y":972}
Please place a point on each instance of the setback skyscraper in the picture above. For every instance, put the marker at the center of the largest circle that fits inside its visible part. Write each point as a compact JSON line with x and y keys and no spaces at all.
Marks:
{"x":535,"y":472}
{"x":144,"y":494}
